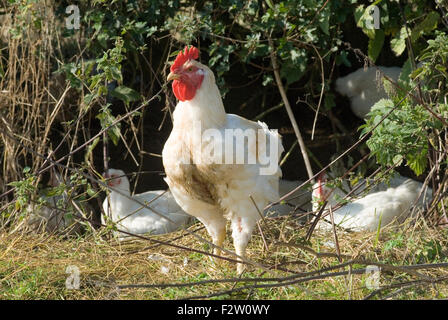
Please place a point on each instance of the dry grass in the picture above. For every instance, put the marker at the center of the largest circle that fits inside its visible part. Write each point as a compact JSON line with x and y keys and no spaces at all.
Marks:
{"x":34,"y":266}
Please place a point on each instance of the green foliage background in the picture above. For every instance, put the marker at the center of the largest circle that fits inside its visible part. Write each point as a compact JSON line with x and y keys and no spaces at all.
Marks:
{"x":118,"y":60}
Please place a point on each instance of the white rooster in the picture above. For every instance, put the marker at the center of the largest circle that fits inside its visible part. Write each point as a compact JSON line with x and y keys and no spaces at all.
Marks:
{"x":134,"y":218}
{"x":364,"y":87}
{"x":365,"y":214}
{"x":218,"y":186}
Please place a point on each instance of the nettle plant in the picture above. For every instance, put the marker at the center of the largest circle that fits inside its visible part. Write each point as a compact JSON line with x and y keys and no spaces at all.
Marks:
{"x":25,"y":189}
{"x":400,"y":21}
{"x":415,"y":129}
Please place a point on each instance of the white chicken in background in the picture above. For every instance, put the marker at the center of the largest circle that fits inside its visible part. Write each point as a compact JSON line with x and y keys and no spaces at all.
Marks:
{"x":364,"y":88}
{"x":301,"y":199}
{"x":56,"y":214}
{"x":134,"y":218}
{"x":205,"y":186}
{"x":365,"y":214}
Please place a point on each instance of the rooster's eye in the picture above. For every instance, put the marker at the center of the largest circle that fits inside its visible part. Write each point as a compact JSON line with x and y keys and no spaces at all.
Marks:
{"x":190,"y":69}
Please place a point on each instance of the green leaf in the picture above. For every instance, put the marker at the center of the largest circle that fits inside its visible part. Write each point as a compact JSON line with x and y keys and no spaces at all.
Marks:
{"x":417,"y":162}
{"x":270,"y":4}
{"x":427,"y":25}
{"x":114,"y":74}
{"x":359,"y":11}
{"x":324,"y":20}
{"x":343,"y":59}
{"x":441,"y":69}
{"x":398,"y":43}
{"x":364,"y":21}
{"x":106,"y":119}
{"x":114,"y":134}
{"x":291,"y":73}
{"x":125,"y":94}
{"x":90,"y":149}
{"x":88,"y":99}
{"x":397,"y":159}
{"x":90,"y":191}
{"x":406,"y":70}
{"x":376,"y":44}
{"x":2,"y":71}
{"x":329,"y":101}
{"x":417,"y":72}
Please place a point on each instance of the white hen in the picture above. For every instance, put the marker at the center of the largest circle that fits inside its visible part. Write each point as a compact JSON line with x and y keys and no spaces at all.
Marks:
{"x":366,"y":213}
{"x":363,"y":88}
{"x":301,"y":198}
{"x":134,"y":218}
{"x":56,"y":214}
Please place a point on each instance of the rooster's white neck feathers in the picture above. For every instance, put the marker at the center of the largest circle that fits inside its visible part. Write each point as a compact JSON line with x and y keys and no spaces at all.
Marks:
{"x":206,"y":106}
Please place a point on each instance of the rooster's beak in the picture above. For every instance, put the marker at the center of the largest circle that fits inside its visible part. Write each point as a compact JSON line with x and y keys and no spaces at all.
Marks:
{"x":173,"y":76}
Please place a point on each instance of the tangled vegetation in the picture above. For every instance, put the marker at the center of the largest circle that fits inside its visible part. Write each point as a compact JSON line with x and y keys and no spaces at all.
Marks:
{"x":83,"y":88}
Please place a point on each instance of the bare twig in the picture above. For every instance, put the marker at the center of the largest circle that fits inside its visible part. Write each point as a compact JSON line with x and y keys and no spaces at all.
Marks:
{"x":289,"y":110}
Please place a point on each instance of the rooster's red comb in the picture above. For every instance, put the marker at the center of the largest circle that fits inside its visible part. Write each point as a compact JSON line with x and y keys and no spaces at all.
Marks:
{"x":191,"y":53}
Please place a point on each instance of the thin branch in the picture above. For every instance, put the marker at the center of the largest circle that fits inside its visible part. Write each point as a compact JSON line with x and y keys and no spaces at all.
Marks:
{"x":289,"y":110}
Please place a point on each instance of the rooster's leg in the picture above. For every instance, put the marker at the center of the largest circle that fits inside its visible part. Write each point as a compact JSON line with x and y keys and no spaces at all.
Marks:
{"x":242,"y":228}
{"x":216,"y":228}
